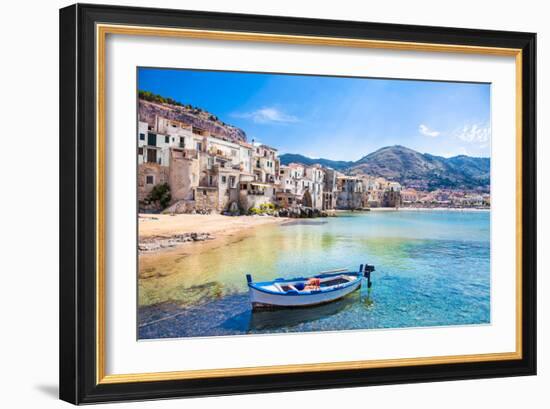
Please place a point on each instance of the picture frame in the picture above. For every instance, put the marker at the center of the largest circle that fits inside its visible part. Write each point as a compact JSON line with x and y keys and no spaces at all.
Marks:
{"x":83,"y":180}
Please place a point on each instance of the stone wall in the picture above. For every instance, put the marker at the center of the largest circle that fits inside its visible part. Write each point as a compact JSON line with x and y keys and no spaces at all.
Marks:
{"x":392,"y":198}
{"x":226,"y":197}
{"x":349,"y":200}
{"x":247,"y":201}
{"x":329,"y":200}
{"x":286,"y":200}
{"x":183,"y":175}
{"x":159,"y":173}
{"x":206,"y":198}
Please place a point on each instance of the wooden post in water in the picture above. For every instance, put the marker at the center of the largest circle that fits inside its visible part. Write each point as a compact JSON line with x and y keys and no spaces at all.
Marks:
{"x":368,"y":270}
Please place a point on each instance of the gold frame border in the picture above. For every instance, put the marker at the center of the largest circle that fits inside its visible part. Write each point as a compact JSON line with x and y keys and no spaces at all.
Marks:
{"x":102,"y":30}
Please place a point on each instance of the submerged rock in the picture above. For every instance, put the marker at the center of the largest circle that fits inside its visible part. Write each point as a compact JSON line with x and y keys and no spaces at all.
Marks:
{"x":159,"y":243}
{"x":302,"y":212}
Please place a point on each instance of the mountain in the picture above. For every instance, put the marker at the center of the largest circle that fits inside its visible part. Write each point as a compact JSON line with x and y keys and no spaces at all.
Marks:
{"x":304,"y":160}
{"x":151,"y":105}
{"x":413,"y":169}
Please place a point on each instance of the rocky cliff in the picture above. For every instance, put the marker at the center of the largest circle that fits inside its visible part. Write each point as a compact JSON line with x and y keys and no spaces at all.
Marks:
{"x":190,"y":115}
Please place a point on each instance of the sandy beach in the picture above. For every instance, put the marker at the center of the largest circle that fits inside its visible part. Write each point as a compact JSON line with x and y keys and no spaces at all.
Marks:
{"x":215,"y":224}
{"x":159,"y":231}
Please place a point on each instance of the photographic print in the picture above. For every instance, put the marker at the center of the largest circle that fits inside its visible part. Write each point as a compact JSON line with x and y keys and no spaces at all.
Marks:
{"x":281,"y":203}
{"x":357,"y":198}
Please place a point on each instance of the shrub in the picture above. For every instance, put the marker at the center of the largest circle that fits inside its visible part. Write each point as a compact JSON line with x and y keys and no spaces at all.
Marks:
{"x":152,"y":97}
{"x":264,"y":208}
{"x":161,"y":194}
{"x":254,"y":210}
{"x":267,"y":206}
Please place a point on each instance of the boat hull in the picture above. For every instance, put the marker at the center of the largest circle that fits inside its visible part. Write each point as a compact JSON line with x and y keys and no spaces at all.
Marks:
{"x":263,"y":300}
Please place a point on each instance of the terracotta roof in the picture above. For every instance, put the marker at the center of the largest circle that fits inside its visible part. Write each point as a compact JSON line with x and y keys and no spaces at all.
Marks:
{"x":246,"y":144}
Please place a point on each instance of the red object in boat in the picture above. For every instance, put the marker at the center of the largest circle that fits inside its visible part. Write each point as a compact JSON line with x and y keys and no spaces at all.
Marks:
{"x":313,"y":284}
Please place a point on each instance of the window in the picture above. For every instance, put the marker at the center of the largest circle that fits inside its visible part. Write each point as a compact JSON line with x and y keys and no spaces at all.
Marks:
{"x":160,"y":161}
{"x":210,"y":180}
{"x":166,"y":139}
{"x":152,"y":139}
{"x":199,"y":146}
{"x":140,"y":151}
{"x":224,"y":179}
{"x":151,"y":155}
{"x":141,"y":136}
{"x":150,"y":179}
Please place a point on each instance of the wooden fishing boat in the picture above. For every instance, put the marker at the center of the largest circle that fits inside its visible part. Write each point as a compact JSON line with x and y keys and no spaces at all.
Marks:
{"x":319,"y":289}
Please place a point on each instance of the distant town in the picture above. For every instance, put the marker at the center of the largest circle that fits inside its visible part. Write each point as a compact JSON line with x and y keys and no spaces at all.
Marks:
{"x":185,"y":168}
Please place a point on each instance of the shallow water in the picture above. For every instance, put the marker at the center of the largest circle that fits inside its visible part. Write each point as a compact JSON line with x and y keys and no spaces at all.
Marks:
{"x":432,"y":268}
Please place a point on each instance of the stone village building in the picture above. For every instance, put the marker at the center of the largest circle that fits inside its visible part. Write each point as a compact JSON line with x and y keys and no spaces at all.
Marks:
{"x":207,"y":172}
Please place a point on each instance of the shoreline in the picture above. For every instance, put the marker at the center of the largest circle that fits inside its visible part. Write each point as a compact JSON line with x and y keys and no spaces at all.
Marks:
{"x":159,"y":232}
{"x":413,"y":209}
{"x":447,"y":209}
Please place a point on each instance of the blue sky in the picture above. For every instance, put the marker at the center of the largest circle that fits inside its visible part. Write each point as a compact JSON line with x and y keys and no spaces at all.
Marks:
{"x":337,"y":118}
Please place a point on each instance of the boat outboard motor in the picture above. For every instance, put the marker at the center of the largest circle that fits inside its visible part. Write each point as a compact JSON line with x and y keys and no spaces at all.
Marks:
{"x":366,"y":272}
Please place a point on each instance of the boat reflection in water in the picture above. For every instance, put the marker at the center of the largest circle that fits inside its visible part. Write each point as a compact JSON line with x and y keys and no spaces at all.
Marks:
{"x":261,"y":320}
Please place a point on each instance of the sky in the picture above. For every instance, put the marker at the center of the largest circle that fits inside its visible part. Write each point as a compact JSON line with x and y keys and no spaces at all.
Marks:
{"x":338,"y":118}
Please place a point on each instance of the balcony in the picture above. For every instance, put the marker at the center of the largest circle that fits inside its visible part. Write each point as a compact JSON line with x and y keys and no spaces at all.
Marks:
{"x":256,"y":192}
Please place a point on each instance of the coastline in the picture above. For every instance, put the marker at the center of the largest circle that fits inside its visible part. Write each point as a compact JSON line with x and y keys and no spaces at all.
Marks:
{"x":414,"y":209}
{"x":445,"y":209}
{"x":158,"y":232}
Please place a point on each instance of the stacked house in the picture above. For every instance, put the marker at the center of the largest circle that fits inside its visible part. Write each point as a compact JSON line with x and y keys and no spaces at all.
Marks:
{"x":209,"y":172}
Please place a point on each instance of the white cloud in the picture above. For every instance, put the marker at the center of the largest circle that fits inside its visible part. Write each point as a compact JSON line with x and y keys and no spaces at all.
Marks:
{"x":477,"y":133}
{"x":268,"y":115}
{"x":424,"y":130}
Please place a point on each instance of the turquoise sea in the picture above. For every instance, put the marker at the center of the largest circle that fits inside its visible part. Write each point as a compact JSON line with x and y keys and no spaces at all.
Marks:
{"x":432,"y":269}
